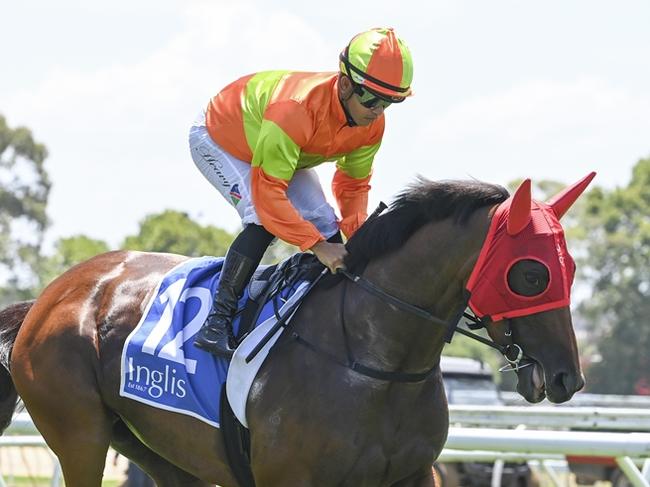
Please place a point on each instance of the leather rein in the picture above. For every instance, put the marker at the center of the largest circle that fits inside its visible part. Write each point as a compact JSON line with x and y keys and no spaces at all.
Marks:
{"x":512,"y":352}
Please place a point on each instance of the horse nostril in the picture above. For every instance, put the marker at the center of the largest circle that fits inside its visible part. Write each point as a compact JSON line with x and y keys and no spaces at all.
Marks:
{"x":567,"y":382}
{"x":561,"y":380}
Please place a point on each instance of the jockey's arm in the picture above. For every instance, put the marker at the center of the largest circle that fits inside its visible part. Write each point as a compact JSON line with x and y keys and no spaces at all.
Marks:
{"x":350,"y":187}
{"x":276,"y":212}
{"x":274,"y":163}
{"x":279,"y":217}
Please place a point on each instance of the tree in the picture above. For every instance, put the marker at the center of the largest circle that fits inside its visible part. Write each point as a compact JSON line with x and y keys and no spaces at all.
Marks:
{"x":69,"y":252}
{"x":615,"y":232}
{"x":175,"y":232}
{"x":279,"y":251}
{"x":24,"y":190}
{"x":462,"y":346}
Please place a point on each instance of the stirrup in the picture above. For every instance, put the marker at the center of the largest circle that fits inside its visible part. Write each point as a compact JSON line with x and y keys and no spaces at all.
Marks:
{"x":215,"y":340}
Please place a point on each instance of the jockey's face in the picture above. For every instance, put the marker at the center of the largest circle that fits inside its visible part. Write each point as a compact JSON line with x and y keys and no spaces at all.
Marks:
{"x":360,"y":114}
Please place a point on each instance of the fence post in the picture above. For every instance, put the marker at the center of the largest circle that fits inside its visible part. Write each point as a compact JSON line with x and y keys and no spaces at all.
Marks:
{"x":632,"y":472}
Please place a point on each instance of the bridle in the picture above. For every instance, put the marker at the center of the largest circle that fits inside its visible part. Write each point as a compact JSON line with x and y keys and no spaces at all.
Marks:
{"x":512,"y":352}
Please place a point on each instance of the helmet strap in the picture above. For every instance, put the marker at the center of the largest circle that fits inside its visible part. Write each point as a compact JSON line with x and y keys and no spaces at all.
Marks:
{"x":348,"y":117}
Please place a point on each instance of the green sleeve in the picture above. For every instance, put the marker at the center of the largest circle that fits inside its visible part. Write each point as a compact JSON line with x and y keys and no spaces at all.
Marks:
{"x":358,"y":163}
{"x":275,"y":153}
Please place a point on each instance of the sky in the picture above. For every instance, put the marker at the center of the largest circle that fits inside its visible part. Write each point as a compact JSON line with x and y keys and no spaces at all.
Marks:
{"x":503,"y":90}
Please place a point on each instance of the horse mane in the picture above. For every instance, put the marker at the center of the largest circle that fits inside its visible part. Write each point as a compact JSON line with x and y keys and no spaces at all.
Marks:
{"x":421,"y":202}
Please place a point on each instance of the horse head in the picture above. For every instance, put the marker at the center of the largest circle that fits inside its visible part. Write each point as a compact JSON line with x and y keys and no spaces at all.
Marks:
{"x":521,"y":285}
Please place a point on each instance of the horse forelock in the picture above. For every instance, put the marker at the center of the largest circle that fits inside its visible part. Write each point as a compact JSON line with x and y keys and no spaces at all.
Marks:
{"x":421,"y":202}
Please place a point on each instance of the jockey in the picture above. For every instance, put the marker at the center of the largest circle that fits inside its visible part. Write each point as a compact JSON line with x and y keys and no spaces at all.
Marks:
{"x":258,"y":140}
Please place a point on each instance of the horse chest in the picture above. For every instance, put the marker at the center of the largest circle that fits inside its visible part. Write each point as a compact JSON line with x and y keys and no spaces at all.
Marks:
{"x":376,"y":467}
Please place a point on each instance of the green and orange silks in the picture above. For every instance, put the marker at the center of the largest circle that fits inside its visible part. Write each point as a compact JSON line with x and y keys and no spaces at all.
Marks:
{"x":283,"y":121}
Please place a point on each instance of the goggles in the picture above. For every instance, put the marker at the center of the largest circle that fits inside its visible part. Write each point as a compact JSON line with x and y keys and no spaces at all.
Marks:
{"x":371,"y":99}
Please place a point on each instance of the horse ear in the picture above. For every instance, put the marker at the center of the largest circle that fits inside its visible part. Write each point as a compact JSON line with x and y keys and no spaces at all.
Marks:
{"x":519,"y":213}
{"x":562,"y":201}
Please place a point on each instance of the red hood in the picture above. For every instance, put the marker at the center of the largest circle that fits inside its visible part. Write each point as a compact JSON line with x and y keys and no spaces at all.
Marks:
{"x":523,"y":228}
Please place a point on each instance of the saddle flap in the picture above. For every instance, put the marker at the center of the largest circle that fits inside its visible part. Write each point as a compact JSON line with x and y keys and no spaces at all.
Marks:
{"x":260,"y":281}
{"x":267,"y":281}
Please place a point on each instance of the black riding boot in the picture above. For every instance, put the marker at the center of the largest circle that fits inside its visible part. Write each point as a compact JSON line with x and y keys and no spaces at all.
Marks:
{"x":216,"y":334}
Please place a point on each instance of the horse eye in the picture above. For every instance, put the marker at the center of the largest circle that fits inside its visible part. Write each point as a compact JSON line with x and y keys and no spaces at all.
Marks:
{"x":528,"y":278}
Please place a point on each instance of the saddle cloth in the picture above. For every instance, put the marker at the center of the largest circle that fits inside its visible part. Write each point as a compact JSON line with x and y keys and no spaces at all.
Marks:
{"x":161,"y":367}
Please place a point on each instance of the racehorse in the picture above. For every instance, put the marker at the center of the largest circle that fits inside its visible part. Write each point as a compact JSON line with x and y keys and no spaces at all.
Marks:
{"x":314,"y":419}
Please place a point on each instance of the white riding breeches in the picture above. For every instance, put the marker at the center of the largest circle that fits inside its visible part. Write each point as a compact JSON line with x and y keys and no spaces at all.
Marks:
{"x":231,"y":177}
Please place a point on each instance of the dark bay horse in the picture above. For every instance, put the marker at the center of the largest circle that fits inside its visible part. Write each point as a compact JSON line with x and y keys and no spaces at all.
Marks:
{"x":312,"y":421}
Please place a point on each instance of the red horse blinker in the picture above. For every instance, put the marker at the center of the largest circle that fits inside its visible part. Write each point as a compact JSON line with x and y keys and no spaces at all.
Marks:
{"x":524,"y":229}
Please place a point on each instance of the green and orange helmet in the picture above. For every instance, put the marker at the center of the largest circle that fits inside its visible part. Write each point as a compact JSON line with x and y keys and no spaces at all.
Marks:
{"x":380,"y":62}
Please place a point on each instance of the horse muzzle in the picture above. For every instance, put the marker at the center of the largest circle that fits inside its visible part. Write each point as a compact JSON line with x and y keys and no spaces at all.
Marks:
{"x":534,"y":384}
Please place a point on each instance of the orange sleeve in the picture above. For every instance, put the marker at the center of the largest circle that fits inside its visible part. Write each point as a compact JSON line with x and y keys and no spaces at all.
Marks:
{"x":276,"y":212}
{"x":352,"y":198}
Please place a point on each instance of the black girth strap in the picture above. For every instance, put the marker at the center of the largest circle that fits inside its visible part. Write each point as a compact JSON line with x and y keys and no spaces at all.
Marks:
{"x":237,"y":443}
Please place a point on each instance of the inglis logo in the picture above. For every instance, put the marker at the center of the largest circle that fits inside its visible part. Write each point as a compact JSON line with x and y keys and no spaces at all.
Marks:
{"x":235,"y":195}
{"x":155,"y":382}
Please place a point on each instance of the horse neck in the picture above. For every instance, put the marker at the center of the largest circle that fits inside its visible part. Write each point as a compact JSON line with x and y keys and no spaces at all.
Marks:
{"x":429,"y":271}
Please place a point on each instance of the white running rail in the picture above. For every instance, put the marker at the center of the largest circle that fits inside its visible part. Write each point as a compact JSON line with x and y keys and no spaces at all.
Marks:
{"x":630,"y":450}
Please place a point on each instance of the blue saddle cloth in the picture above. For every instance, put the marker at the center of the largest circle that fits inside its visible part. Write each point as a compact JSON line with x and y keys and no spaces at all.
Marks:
{"x":160,"y":365}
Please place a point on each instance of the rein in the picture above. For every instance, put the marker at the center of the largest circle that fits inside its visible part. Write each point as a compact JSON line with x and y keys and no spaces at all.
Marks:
{"x":351,"y":363}
{"x":512,"y":352}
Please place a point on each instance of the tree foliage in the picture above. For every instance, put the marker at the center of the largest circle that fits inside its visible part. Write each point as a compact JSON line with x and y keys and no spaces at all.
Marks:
{"x":279,"y":251}
{"x":615,"y":233}
{"x":69,"y":252}
{"x":462,"y":346}
{"x":175,"y":232}
{"x":24,"y":191}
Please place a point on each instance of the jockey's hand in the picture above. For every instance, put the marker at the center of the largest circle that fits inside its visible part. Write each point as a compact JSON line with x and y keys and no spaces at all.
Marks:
{"x":330,"y":254}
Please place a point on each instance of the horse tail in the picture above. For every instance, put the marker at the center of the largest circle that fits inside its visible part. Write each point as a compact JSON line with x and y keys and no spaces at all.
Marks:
{"x":11,"y":318}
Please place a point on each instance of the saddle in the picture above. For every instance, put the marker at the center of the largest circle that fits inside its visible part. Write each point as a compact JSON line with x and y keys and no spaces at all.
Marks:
{"x":268,"y":281}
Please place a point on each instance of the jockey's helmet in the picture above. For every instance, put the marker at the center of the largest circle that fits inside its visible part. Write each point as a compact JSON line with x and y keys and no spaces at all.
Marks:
{"x":379,"y":61}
